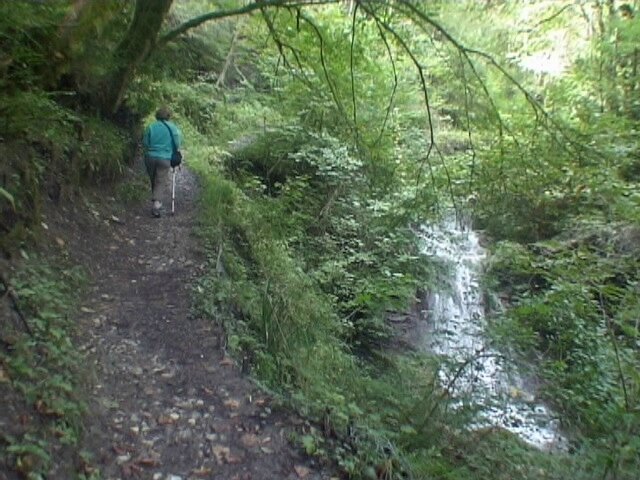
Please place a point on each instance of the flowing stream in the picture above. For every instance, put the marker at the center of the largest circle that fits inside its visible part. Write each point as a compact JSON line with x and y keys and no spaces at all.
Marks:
{"x":475,"y":373}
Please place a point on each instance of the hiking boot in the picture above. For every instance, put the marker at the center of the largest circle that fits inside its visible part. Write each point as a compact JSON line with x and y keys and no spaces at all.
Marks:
{"x":156,"y":210}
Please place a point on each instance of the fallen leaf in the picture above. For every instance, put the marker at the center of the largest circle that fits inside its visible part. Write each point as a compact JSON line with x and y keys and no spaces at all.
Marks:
{"x":226,"y":361}
{"x":43,"y":408}
{"x":148,"y":462}
{"x":221,"y":453}
{"x":250,"y":440}
{"x":202,"y":472}
{"x":131,"y":469}
{"x":232,"y":403}
{"x":165,"y":420}
{"x":301,"y":471}
{"x":119,"y":450}
{"x":60,"y":242}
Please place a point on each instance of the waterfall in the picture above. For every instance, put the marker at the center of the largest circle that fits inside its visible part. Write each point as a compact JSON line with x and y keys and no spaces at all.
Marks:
{"x":475,"y":372}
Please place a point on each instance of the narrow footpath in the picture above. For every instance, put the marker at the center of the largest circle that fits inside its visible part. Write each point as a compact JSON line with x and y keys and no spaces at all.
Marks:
{"x":166,"y":402}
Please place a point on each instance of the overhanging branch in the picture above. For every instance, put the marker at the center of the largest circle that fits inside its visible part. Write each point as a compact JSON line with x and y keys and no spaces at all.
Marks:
{"x":218,"y":14}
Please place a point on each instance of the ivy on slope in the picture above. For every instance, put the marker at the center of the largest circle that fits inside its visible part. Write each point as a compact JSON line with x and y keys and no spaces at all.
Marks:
{"x":41,"y":370}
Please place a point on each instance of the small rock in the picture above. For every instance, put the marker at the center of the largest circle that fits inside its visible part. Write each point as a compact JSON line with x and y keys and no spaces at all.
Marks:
{"x":121,"y":459}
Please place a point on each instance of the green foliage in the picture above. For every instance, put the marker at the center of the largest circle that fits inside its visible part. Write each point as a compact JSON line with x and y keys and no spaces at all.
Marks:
{"x":308,"y":236}
{"x":50,"y":150}
{"x":133,"y":190}
{"x":44,"y":363}
{"x":571,"y":301}
{"x":26,"y":29}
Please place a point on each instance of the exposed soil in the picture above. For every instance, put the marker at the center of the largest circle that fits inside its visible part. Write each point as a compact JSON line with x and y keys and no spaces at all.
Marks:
{"x":165,"y":400}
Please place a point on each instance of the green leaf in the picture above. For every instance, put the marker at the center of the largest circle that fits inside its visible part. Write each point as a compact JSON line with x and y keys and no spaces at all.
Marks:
{"x":8,"y":196}
{"x":309,"y":444}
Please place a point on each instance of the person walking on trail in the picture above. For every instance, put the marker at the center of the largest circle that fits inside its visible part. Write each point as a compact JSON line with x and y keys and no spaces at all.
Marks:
{"x":161,"y":140}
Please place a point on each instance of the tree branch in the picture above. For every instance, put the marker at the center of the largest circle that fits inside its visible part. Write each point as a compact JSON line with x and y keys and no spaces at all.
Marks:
{"x":353,"y":82}
{"x":423,"y":84}
{"x":332,"y":87}
{"x":466,"y":52}
{"x":218,"y":14}
{"x":395,"y":83}
{"x":229,"y":59}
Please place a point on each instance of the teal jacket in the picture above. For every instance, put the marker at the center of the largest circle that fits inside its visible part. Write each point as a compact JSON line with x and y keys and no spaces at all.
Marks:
{"x":157,"y":142}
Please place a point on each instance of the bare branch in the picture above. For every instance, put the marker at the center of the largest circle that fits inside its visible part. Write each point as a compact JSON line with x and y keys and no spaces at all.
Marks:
{"x":549,"y":18}
{"x":468,"y":124}
{"x":395,"y":83}
{"x":423,"y":84}
{"x":251,"y":7}
{"x":332,"y":87}
{"x":466,"y":51}
{"x":283,"y":46}
{"x":353,"y":83}
{"x":229,"y":59}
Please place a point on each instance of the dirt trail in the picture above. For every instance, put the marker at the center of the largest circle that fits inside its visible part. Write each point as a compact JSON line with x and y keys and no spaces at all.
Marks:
{"x":166,"y":403}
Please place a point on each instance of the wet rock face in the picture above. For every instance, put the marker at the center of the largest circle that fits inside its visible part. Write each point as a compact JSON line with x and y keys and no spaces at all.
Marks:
{"x":473,"y":370}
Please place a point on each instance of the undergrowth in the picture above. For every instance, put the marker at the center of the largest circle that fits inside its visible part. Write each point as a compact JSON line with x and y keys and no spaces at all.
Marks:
{"x":49,"y":150}
{"x":378,"y":416}
{"x":42,"y":366}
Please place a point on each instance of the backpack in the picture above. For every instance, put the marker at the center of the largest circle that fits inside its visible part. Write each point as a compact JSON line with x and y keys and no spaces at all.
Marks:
{"x":176,"y":156}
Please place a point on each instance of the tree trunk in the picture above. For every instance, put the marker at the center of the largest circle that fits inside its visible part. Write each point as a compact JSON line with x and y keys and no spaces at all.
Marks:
{"x":229,"y":59}
{"x":133,"y":49}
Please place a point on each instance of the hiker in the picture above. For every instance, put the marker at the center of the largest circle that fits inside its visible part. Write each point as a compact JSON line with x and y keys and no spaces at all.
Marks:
{"x":161,"y":141}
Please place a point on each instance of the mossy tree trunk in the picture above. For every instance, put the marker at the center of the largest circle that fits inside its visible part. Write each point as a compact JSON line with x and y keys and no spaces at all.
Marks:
{"x":134,"y":48}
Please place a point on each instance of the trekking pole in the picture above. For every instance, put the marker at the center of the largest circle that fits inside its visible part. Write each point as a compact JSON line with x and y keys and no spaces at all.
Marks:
{"x":173,"y":193}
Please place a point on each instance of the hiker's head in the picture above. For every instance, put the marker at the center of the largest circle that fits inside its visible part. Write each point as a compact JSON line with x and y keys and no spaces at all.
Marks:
{"x":163,"y":113}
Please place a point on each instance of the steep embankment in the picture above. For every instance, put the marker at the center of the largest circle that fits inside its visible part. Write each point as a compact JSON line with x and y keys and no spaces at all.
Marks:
{"x":164,"y":401}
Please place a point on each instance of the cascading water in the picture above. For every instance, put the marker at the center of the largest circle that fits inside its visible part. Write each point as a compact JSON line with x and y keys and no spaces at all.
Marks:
{"x":474,"y":372}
